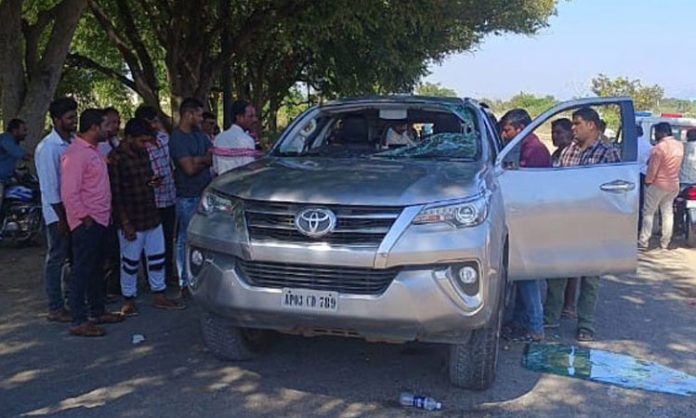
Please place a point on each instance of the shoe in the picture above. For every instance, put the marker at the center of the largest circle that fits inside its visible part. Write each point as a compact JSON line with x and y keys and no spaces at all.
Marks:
{"x":59,"y":315}
{"x":185,"y":294}
{"x":161,"y":302}
{"x":87,"y":329}
{"x":129,"y":308}
{"x":108,"y":318}
{"x":642,"y":247}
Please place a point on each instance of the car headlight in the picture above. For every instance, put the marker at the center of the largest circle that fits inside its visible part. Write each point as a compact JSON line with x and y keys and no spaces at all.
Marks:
{"x":212,"y":202}
{"x":463,"y":213}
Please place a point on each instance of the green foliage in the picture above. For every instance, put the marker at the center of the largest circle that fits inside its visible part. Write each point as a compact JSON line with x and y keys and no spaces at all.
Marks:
{"x":644,"y":97}
{"x":434,"y":90}
{"x":533,"y":104}
{"x":686,"y":107}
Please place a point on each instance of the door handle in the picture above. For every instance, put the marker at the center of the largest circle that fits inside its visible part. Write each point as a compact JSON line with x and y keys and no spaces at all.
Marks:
{"x":618,"y":186}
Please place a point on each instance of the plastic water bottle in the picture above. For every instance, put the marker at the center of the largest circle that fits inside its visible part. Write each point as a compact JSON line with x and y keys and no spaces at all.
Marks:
{"x":422,"y":402}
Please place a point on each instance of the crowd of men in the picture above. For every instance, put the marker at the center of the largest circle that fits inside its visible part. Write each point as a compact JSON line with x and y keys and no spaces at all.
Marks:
{"x":667,"y":168}
{"x":116,"y":202}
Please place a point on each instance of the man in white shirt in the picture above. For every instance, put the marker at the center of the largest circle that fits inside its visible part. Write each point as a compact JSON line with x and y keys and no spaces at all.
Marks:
{"x":687,"y":175}
{"x":399,"y":135}
{"x":235,"y":147}
{"x":47,"y":158}
{"x":644,"y":149}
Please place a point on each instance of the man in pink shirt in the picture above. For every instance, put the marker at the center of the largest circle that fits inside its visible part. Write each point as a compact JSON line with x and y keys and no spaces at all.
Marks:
{"x":86,"y":195}
{"x":662,"y":184}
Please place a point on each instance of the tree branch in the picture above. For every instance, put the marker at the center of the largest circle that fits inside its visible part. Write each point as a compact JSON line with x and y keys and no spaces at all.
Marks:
{"x":76,"y":60}
{"x":136,"y":41}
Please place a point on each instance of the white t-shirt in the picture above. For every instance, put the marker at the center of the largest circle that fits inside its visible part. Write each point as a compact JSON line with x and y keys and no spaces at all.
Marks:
{"x":394,"y":138}
{"x":644,"y":148}
{"x":688,"y":168}
{"x":231,"y":139}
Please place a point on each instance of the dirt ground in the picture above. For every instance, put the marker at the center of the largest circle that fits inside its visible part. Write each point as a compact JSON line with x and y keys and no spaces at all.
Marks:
{"x":45,"y":372}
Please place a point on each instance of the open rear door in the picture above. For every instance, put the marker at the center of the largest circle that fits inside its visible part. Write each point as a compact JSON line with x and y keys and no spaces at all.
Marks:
{"x":573,"y":221}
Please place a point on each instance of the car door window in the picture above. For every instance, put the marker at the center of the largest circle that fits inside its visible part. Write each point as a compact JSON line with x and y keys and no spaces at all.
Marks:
{"x":554,"y":127}
{"x":576,"y":219}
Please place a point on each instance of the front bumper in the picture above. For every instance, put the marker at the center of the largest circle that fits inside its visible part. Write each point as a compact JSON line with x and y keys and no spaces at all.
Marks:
{"x":418,"y":305}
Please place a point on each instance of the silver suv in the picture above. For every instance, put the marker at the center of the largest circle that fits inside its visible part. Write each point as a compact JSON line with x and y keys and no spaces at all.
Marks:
{"x":402,"y":219}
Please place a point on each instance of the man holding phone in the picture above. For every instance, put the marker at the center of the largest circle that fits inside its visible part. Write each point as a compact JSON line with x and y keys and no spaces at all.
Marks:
{"x":136,"y":215}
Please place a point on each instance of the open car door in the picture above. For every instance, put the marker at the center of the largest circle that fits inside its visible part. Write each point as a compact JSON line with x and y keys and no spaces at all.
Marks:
{"x":572,"y":221}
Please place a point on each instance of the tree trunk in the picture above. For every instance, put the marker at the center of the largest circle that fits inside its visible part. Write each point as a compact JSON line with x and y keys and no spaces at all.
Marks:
{"x":27,"y":92}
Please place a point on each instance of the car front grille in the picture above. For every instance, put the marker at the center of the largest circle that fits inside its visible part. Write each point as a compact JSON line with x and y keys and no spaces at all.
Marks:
{"x":349,"y":280}
{"x":363,"y":226}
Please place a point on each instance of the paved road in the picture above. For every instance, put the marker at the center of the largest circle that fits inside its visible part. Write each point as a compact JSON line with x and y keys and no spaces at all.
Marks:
{"x":43,"y":371}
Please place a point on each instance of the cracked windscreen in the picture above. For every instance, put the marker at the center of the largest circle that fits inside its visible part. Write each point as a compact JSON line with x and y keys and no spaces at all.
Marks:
{"x":390,"y":132}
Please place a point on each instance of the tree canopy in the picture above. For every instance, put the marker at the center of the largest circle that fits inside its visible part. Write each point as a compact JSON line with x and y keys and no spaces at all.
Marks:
{"x":434,"y":90}
{"x":121,"y":52}
{"x":644,"y":97}
{"x":340,"y":47}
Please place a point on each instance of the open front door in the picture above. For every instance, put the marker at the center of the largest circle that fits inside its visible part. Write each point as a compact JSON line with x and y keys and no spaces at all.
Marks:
{"x":573,"y":221}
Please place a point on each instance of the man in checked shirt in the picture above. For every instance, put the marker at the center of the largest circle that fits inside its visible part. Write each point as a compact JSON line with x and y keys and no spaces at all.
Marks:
{"x":587,"y":148}
{"x":137,"y":217}
{"x":165,"y":193}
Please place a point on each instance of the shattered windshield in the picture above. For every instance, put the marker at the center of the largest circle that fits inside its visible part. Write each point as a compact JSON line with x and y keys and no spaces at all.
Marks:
{"x":391,"y":130}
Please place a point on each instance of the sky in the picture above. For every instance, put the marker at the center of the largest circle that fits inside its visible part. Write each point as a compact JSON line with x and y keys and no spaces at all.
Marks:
{"x":651,"y":40}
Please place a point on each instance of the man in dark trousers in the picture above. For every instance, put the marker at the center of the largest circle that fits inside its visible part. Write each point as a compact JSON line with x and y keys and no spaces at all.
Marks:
{"x":86,"y":196}
{"x":528,"y":316}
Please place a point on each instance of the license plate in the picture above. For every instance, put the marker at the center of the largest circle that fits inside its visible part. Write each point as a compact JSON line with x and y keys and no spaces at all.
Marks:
{"x":310,"y":300}
{"x":691,"y":203}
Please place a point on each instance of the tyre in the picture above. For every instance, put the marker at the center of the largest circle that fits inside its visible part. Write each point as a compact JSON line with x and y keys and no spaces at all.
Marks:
{"x":473,"y":364}
{"x":228,"y":342}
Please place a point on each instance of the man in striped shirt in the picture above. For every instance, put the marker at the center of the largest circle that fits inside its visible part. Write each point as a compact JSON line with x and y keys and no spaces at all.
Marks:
{"x":587,"y":149}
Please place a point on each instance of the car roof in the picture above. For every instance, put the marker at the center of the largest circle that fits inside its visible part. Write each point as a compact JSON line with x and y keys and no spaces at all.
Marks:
{"x":395,"y":99}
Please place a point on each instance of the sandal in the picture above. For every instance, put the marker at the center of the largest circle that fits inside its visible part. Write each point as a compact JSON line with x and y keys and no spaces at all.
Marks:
{"x":584,"y":334}
{"x":164,"y":303}
{"x":87,"y":329}
{"x":108,"y":318}
{"x":129,"y":309}
{"x":568,"y":314}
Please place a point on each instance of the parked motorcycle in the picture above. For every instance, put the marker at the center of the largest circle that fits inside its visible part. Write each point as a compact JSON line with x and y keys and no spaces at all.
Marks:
{"x":685,"y":214}
{"x":20,"y":215}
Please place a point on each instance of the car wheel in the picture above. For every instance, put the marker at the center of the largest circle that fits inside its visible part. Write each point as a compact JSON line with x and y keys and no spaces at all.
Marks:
{"x":472,"y":365}
{"x":228,"y":342}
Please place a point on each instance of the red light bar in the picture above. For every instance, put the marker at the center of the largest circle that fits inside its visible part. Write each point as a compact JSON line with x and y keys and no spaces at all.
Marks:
{"x":672,"y":115}
{"x":691,"y":193}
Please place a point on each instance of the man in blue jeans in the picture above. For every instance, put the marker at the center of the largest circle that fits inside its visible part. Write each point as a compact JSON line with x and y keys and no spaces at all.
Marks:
{"x":47,"y":158}
{"x":190,"y":151}
{"x":528,"y":317}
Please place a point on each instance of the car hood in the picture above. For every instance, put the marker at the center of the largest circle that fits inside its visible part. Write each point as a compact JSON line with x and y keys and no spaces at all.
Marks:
{"x":373,"y":182}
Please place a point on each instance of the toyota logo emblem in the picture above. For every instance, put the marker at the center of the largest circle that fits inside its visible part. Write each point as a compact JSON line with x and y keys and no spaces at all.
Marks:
{"x":315,"y":222}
